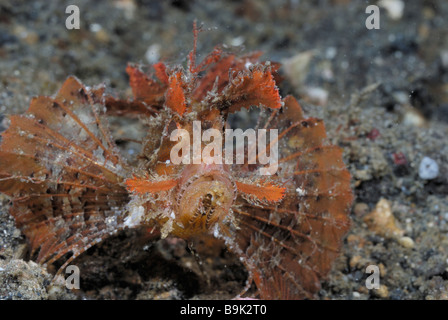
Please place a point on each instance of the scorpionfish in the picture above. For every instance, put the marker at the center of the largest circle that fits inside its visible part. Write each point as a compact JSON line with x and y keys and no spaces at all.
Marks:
{"x":70,"y":187}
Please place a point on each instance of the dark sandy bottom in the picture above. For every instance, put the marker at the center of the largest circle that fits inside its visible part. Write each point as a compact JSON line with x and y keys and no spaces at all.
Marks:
{"x":383,"y":95}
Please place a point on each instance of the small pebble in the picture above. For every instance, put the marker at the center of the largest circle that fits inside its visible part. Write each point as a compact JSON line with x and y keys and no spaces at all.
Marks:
{"x":361,"y":209}
{"x":296,"y":68}
{"x":428,"y":169}
{"x":28,"y":36}
{"x":128,"y":6}
{"x":354,"y":261}
{"x":95,"y":27}
{"x":382,"y":221}
{"x":238,"y":41}
{"x":383,"y":270}
{"x":413,"y":118}
{"x":394,"y":8}
{"x":382,"y":292}
{"x":444,"y":58}
{"x":401,"y":97}
{"x":152,"y":54}
{"x":317,"y":95}
{"x":406,"y":242}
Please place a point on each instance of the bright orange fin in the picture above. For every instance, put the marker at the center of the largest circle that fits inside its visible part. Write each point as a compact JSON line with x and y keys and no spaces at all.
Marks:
{"x":268,"y":192}
{"x":175,"y":97}
{"x":144,"y":88}
{"x":144,"y":185}
{"x":253,"y":88}
{"x":160,"y":68}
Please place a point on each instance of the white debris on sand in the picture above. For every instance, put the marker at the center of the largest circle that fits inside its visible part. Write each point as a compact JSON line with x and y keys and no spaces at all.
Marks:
{"x":428,"y":169}
{"x":152,"y":55}
{"x":394,"y":8}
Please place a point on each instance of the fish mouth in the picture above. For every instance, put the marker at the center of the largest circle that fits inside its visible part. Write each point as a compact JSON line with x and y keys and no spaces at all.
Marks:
{"x":205,"y":199}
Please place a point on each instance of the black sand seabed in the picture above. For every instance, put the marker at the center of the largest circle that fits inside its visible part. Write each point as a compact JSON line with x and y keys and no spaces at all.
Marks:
{"x":407,"y":59}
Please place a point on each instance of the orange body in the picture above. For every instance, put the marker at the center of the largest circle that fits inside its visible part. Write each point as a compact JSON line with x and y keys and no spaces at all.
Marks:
{"x":71,"y":189}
